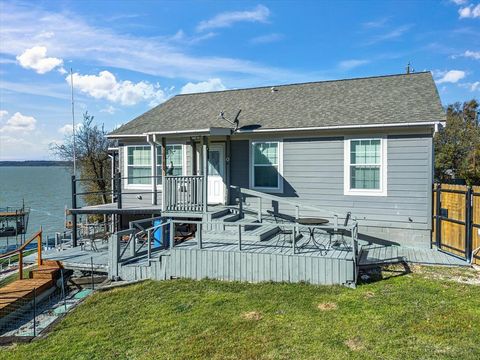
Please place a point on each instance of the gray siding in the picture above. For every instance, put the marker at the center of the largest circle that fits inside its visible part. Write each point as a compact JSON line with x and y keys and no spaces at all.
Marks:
{"x":313,"y":173}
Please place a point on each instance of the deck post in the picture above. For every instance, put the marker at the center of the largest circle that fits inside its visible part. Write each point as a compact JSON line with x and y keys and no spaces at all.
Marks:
{"x":149,"y":246}
{"x":239,"y":237}
{"x":39,"y":248}
{"x":228,"y":155}
{"x":295,"y":230}
{"x":153,"y":154}
{"x":164,"y":171}
{"x":199,"y":236}
{"x":172,"y":234}
{"x":259,"y":215}
{"x":74,"y":216}
{"x":193,"y":145}
{"x":205,"y":172}
{"x":20,"y":265}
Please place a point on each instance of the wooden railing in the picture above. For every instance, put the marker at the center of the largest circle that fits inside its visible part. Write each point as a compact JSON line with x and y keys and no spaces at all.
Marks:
{"x":184,"y":193}
{"x":21,"y":249}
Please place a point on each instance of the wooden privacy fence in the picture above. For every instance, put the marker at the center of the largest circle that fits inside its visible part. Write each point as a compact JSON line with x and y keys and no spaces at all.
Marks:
{"x":456,"y":220}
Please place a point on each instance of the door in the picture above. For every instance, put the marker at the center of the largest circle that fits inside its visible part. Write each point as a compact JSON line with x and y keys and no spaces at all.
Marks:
{"x":216,"y":174}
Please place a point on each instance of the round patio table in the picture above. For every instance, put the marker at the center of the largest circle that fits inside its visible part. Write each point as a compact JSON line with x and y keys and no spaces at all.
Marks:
{"x":312,"y":223}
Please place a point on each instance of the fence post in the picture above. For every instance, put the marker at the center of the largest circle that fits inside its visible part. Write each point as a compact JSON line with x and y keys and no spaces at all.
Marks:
{"x":34,"y":312}
{"x":438,"y":220}
{"x":468,"y":224}
{"x":239,"y":237}
{"x":74,"y":216}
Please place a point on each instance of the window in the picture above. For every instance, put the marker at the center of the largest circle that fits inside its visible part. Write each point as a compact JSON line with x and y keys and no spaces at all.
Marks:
{"x":139,"y":163}
{"x":174,"y":160}
{"x":365,"y":166}
{"x":266,"y":166}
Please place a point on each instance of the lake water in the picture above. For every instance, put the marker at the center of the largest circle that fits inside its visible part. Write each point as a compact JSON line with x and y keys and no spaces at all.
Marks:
{"x":45,"y":189}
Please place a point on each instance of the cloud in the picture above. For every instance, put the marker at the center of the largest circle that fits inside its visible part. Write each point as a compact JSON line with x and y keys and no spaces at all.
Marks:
{"x":3,"y":113}
{"x":451,"y":76}
{"x":102,"y":46}
{"x":109,"y":110}
{"x":471,"y":54}
{"x":390,"y":35}
{"x":67,"y":129}
{"x":227,"y":19}
{"x":18,"y":122}
{"x":268,"y":38}
{"x":376,"y":23}
{"x":469,"y":12}
{"x":105,"y":86}
{"x":351,"y":64}
{"x":475,"y":86}
{"x":204,"y":86}
{"x":36,"y":58}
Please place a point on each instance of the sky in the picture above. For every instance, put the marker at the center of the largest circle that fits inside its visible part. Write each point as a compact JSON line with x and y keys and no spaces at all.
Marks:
{"x":129,"y":56}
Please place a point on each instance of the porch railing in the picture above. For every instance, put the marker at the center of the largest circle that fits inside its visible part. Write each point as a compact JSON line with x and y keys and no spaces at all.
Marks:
{"x":184,"y":193}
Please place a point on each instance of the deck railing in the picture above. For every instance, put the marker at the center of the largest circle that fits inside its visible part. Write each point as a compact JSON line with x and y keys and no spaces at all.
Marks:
{"x":184,"y":193}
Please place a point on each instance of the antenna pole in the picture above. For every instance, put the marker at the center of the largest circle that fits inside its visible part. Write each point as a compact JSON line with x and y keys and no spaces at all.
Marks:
{"x":73,"y":126}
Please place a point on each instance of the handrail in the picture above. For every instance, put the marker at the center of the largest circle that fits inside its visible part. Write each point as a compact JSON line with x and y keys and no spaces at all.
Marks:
{"x":38,"y":236}
{"x":280,"y":199}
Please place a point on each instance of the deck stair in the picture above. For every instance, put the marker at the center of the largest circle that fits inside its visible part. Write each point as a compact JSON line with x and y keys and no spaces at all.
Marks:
{"x":40,"y":280}
{"x":225,"y":229}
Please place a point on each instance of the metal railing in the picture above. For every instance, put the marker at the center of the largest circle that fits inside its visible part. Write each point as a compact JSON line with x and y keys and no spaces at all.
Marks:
{"x":128,"y":245}
{"x":184,"y":193}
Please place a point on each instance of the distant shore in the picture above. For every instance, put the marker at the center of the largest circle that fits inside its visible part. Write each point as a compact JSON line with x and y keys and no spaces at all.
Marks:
{"x":35,"y":163}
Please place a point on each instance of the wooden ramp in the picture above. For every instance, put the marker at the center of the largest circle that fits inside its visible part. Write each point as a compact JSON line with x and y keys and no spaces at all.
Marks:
{"x":20,"y":291}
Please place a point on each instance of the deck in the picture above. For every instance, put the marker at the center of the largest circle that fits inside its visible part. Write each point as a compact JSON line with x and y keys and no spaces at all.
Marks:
{"x":77,"y":258}
{"x":131,"y":208}
{"x":372,"y":255}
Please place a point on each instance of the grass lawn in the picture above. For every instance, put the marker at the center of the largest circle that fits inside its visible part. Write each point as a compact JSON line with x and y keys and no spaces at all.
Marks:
{"x":414,"y":316}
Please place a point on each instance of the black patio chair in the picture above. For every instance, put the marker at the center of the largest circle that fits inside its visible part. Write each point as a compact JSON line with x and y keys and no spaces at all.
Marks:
{"x":285,"y":235}
{"x":339,"y":233}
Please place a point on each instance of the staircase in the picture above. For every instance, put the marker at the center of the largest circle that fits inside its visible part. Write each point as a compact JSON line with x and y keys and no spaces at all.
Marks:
{"x":226,"y":222}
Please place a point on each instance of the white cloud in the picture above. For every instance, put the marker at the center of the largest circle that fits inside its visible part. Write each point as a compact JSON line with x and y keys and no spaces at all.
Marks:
{"x":109,"y":110}
{"x":3,"y":113}
{"x":475,"y":86}
{"x":351,"y":64}
{"x":459,"y":2}
{"x":390,"y":35}
{"x":472,"y":54}
{"x":264,"y":39}
{"x":36,"y":58}
{"x":67,"y":129}
{"x":18,"y":122}
{"x":105,"y":86}
{"x":376,"y":23}
{"x":469,"y":11}
{"x":161,"y":56}
{"x":451,"y":76}
{"x":226,"y":19}
{"x":204,"y":86}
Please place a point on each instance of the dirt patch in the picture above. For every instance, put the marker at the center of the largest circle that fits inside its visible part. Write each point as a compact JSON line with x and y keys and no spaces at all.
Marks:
{"x":328,"y":306}
{"x":369,"y":294}
{"x":355,"y":344}
{"x":252,"y":315}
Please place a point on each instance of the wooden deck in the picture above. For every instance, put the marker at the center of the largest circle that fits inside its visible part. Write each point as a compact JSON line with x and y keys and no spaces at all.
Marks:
{"x":17,"y":293}
{"x":377,"y":255}
{"x":78,"y":259}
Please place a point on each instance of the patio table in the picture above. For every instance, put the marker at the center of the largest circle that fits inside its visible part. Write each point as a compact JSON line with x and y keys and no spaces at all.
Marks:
{"x":312,"y":223}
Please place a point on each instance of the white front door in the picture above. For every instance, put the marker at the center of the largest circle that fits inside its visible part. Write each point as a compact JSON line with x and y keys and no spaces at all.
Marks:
{"x":216,"y":174}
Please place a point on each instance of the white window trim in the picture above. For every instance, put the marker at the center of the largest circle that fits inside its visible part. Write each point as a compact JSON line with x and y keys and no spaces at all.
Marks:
{"x":148,"y":186}
{"x":279,"y":188}
{"x":383,"y":168}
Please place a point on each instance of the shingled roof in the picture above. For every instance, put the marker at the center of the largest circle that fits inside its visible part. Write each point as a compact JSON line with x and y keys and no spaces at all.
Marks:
{"x":392,"y":99}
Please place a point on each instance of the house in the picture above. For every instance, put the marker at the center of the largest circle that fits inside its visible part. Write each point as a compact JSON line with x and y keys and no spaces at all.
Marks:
{"x":361,"y":146}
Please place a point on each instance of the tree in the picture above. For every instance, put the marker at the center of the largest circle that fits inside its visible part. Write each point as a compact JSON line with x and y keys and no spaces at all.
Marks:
{"x":457,"y":146}
{"x":91,"y":150}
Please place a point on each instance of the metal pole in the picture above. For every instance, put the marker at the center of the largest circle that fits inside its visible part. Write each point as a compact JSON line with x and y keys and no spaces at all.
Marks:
{"x":74,"y":216}
{"x":91,"y":265}
{"x":438,"y":221}
{"x":240,"y":237}
{"x":34,"y":312}
{"x":63,"y":290}
{"x":468,"y":224}
{"x":73,"y":127}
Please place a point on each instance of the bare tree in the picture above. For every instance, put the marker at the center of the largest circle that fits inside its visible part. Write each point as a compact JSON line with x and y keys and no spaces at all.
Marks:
{"x":91,"y":149}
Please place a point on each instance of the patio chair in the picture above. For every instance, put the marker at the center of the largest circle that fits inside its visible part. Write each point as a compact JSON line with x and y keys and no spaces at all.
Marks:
{"x":339,"y":233}
{"x":285,"y":235}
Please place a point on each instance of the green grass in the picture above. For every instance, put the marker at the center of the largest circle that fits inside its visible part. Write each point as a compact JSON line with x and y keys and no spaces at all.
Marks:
{"x":401,"y":317}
